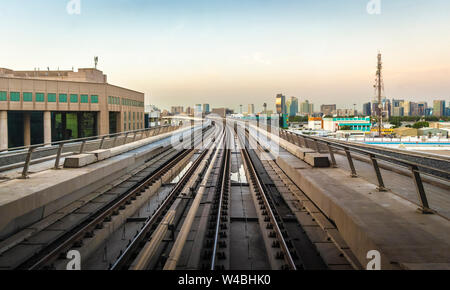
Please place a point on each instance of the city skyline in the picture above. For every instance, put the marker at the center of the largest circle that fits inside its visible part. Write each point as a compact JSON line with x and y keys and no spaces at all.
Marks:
{"x":222,"y":53}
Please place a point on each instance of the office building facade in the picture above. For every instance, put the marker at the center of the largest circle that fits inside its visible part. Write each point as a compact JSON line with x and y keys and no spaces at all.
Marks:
{"x":47,"y":106}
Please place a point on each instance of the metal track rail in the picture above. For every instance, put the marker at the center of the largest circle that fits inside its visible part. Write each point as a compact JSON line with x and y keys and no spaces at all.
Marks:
{"x":71,"y":239}
{"x":223,"y":194}
{"x":136,"y":244}
{"x":75,"y":236}
{"x":262,"y":193}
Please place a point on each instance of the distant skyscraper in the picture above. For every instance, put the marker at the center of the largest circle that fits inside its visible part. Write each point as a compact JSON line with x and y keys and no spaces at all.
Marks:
{"x":251,"y":109}
{"x":406,"y":108}
{"x":206,"y":108}
{"x":281,"y":104}
{"x":439,"y":108}
{"x":421,"y":108}
{"x":367,"y":110}
{"x":293,"y":107}
{"x":398,"y":111}
{"x":198,"y":108}
{"x":176,"y":110}
{"x":328,"y":110}
{"x":306,"y":108}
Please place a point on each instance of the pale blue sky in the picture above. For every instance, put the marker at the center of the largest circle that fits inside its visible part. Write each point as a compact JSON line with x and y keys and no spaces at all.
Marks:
{"x":231,"y":52}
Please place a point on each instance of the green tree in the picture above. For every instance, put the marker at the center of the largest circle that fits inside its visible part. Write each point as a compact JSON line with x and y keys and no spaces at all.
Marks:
{"x":419,"y":125}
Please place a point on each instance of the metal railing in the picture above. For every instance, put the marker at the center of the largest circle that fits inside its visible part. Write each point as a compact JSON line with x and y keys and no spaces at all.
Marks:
{"x":144,"y":133}
{"x":416,"y":169}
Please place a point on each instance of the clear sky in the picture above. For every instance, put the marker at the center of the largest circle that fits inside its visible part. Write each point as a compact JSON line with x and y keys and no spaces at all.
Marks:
{"x":231,"y":52}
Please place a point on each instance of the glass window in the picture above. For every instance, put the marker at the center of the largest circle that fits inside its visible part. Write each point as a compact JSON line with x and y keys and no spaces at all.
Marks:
{"x":63,"y":98}
{"x":14,"y":96}
{"x":51,"y":98}
{"x":40,"y":97}
{"x":94,"y":99}
{"x":27,"y":97}
{"x":84,"y":99}
{"x":74,"y":98}
{"x":3,"y":96}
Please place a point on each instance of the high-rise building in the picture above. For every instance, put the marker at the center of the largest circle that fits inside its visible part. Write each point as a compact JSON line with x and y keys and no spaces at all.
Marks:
{"x":387,"y":108}
{"x":328,"y":110}
{"x":176,"y":110}
{"x":293,"y":107}
{"x":206,"y":108}
{"x":251,"y":109}
{"x":421,"y":108}
{"x":439,"y":108}
{"x":198,"y":108}
{"x":397,"y":103}
{"x":281,"y":104}
{"x":367,"y":110}
{"x":306,"y":108}
{"x":398,"y":111}
{"x":406,"y":108}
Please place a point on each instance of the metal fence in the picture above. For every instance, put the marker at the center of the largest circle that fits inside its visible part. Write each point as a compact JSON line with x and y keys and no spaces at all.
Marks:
{"x":415,"y":168}
{"x":113,"y":139}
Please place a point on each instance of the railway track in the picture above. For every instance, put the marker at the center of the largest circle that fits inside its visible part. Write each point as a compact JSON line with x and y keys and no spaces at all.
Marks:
{"x":46,"y":248}
{"x":149,"y":248}
{"x":272,"y":204}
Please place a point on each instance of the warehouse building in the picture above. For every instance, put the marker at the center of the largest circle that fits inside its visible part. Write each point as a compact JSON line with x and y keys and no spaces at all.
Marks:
{"x":40,"y":107}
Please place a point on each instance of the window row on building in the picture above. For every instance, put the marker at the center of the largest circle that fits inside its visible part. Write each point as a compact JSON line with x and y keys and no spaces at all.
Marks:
{"x":51,"y":97}
{"x":125,"y":102}
{"x":133,"y":117}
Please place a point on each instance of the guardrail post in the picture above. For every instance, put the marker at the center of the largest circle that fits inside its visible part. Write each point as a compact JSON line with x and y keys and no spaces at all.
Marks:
{"x":134,"y":137}
{"x":302,"y":141}
{"x":421,"y":191}
{"x":317,"y":145}
{"x":333,"y":160}
{"x":27,"y":164}
{"x":58,"y":155}
{"x":82,"y":147}
{"x":350,"y":163}
{"x":126,"y":139}
{"x":102,"y":142}
{"x":381,"y":186}
{"x":114,"y":142}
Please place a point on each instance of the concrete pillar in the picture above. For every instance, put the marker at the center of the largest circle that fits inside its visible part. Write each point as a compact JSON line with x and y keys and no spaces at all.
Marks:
{"x":3,"y":130}
{"x":47,"y":128}
{"x":26,"y":129}
{"x":102,"y":123}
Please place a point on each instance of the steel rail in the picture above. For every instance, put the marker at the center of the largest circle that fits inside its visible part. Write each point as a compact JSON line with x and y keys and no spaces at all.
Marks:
{"x":225,"y":174}
{"x":104,"y":215}
{"x":125,"y":257}
{"x":261,"y":188}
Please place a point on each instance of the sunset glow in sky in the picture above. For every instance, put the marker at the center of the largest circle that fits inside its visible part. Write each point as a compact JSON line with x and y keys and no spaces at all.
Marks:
{"x":230,"y":52}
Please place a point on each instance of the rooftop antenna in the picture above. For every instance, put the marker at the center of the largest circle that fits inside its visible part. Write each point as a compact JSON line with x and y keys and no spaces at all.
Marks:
{"x":96,"y":61}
